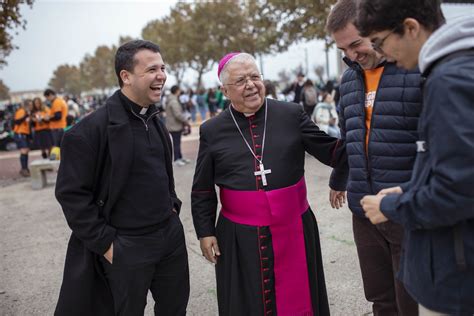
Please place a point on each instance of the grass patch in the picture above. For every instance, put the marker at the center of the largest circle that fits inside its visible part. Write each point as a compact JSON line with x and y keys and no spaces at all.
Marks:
{"x":344,"y":241}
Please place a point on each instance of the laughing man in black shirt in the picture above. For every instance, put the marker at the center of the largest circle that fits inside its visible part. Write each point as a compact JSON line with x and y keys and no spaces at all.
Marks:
{"x":115,"y":185}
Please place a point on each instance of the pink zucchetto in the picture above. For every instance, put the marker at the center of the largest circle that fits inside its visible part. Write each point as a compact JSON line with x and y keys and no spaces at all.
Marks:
{"x":224,"y":62}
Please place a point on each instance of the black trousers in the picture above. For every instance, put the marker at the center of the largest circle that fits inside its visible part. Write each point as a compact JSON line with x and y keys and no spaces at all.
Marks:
{"x":176,"y":136}
{"x":157,"y":262}
{"x":57,"y":136}
{"x":379,"y":248}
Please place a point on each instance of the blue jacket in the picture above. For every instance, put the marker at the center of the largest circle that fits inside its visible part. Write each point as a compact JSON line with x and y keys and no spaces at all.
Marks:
{"x":393,"y":132}
{"x":437,"y":208}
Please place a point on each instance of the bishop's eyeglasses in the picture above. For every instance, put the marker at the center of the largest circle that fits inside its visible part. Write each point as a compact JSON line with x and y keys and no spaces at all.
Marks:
{"x":242,"y":81}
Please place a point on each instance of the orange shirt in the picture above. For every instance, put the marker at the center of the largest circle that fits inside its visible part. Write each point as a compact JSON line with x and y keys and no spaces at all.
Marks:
{"x":40,"y":123}
{"x":372,"y":79}
{"x":24,"y":127}
{"x":58,"y":105}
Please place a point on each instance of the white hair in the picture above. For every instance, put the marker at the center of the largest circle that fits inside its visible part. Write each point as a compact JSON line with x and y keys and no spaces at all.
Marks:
{"x":240,"y":58}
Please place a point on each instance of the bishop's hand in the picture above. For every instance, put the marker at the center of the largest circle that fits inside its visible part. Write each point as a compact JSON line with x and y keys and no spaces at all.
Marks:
{"x":337,"y":198}
{"x":209,"y":248}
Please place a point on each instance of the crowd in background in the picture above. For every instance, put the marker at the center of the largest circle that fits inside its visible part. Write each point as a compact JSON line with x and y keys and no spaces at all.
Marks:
{"x":40,"y":123}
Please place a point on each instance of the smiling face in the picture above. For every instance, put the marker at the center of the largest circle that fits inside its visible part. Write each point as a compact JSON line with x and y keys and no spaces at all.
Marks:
{"x":358,"y":49}
{"x":145,"y":83}
{"x":249,"y":97}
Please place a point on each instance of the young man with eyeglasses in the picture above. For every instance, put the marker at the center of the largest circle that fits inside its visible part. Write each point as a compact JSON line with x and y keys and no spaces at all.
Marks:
{"x":436,"y":207}
{"x":378,"y":109}
{"x":266,"y":243}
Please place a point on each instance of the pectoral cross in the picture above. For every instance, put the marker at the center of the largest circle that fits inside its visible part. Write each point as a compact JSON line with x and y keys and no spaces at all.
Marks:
{"x":262,"y":173}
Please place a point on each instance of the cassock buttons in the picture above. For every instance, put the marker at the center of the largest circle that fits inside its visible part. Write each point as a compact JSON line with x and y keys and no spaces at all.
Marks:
{"x":254,"y":125}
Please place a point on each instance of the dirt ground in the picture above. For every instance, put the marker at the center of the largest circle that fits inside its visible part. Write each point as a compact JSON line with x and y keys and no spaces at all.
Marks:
{"x":34,"y":236}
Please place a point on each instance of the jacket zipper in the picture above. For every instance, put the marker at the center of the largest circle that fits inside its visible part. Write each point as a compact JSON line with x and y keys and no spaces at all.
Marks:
{"x":146,"y":122}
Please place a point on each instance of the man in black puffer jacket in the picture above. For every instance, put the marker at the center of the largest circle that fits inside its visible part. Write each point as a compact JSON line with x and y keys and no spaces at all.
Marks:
{"x":378,"y":109}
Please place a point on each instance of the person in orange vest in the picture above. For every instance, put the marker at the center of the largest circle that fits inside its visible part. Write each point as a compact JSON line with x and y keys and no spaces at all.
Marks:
{"x":40,"y":117}
{"x":57,"y":116}
{"x":22,"y":134}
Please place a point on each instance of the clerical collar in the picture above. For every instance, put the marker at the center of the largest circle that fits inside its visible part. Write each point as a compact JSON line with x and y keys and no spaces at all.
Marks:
{"x":135,"y":108}
{"x":249,"y":114}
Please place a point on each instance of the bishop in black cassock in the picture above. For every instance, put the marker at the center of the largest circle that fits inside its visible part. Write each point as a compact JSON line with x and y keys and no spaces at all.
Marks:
{"x":266,"y":242}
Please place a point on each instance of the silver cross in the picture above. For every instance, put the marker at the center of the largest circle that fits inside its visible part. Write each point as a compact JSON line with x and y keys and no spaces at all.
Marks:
{"x":262,"y":173}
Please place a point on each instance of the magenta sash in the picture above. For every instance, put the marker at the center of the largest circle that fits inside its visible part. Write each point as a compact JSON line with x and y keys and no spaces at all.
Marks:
{"x":281,"y":210}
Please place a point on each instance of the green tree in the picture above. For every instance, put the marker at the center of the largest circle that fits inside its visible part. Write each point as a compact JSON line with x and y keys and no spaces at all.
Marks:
{"x":196,"y":35}
{"x":260,"y":33}
{"x":167,"y":32}
{"x":10,"y":18}
{"x":4,"y":91}
{"x":98,"y":71}
{"x":123,"y":40}
{"x":67,"y":79}
{"x":219,"y":27}
{"x":299,"y":19}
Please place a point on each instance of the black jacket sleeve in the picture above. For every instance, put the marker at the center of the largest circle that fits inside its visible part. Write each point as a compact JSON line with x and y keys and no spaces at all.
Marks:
{"x":20,"y":120}
{"x":56,"y":117}
{"x":74,"y":191}
{"x":328,"y":150}
{"x":339,"y":175}
{"x":203,"y":196}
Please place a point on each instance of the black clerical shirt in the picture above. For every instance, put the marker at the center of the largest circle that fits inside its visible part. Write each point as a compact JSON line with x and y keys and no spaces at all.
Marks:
{"x":225,"y":160}
{"x":145,"y":200}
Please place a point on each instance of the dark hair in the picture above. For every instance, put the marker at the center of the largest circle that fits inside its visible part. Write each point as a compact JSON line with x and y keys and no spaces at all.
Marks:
{"x":379,"y":15}
{"x":49,"y":92}
{"x":308,"y":83}
{"x":270,"y":88}
{"x":343,"y":13}
{"x":125,"y":55}
{"x":174,"y":89}
{"x":41,"y":106}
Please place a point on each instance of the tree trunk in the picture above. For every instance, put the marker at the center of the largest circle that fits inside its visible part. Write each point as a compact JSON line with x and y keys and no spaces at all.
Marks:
{"x":199,"y":83}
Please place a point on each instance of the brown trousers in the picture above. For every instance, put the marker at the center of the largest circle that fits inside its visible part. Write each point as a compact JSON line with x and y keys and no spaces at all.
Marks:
{"x":379,"y":248}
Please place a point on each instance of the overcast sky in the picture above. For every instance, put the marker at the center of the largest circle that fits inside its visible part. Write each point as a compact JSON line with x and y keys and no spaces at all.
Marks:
{"x":60,"y":32}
